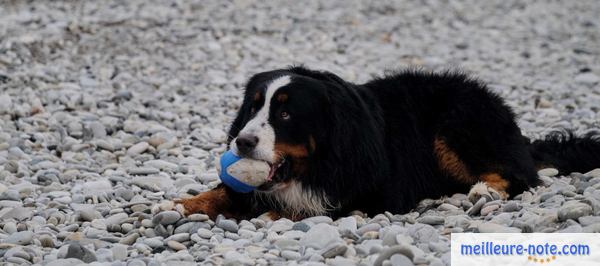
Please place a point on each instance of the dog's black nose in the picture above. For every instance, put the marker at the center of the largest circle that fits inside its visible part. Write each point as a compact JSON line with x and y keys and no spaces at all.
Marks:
{"x":246,"y":143}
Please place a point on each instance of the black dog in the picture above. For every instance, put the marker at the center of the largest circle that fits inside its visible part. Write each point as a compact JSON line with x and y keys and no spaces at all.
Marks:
{"x":382,"y":146}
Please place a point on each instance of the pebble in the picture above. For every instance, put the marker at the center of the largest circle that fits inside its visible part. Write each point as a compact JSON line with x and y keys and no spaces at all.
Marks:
{"x":290,"y":255}
{"x":138,"y":148}
{"x":228,"y":225}
{"x":301,"y":226}
{"x":116,"y":219}
{"x":181,"y":237}
{"x":368,"y":228}
{"x":10,"y":227}
{"x":496,"y":228}
{"x":594,"y":173}
{"x":587,"y":78}
{"x":154,"y":242}
{"x":489,"y":209}
{"x":20,"y":238}
{"x":573,"y":210}
{"x":166,"y":217}
{"x":335,"y":251}
{"x":511,"y":206}
{"x":130,"y":239}
{"x":197,"y":217}
{"x":432,"y":220}
{"x":477,"y":206}
{"x":319,"y":236}
{"x":548,"y":172}
{"x":281,"y":225}
{"x":347,"y":224}
{"x":176,"y":245}
{"x":119,"y":252}
{"x":387,"y":253}
{"x":205,"y":233}
{"x":400,"y":260}
{"x":77,"y":251}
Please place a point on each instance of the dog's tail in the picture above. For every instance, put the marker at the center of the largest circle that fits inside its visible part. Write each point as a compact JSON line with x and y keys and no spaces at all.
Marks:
{"x":567,"y":152}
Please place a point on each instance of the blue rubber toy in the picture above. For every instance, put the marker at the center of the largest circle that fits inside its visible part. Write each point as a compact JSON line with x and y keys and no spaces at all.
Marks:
{"x":241,"y":174}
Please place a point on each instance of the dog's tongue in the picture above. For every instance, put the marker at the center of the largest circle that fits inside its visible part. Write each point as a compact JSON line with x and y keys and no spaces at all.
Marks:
{"x":272,"y":172}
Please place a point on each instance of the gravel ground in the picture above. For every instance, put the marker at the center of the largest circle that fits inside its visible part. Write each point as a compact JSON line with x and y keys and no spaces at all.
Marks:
{"x":109,"y":109}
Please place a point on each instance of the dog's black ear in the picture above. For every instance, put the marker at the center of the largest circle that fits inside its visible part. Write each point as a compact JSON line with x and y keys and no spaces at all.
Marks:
{"x":353,"y":136}
{"x":318,"y":75}
{"x":252,"y":86}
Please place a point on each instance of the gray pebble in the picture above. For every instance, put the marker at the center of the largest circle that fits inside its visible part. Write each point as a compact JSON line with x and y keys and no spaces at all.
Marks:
{"x":573,"y":210}
{"x":430,"y":219}
{"x":10,"y":227}
{"x":154,"y":242}
{"x":198,"y":217}
{"x":228,"y":225}
{"x":511,"y":206}
{"x":335,"y":251}
{"x":496,"y":228}
{"x":181,"y":237}
{"x":477,"y":206}
{"x":290,"y":255}
{"x":130,"y":239}
{"x":548,"y":172}
{"x":77,"y":251}
{"x":387,"y":253}
{"x":20,"y":238}
{"x":400,"y":260}
{"x":368,"y":228}
{"x":176,"y":245}
{"x":205,"y":233}
{"x":166,"y":217}
{"x":301,"y":226}
{"x":489,"y":209}
{"x":320,"y":236}
{"x":119,"y":252}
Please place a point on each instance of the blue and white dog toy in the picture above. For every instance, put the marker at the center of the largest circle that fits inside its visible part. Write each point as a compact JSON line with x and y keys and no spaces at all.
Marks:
{"x":242,"y":174}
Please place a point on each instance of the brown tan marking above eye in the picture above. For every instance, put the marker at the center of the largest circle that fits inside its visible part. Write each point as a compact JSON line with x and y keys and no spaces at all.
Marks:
{"x":282,"y":97}
{"x":312,"y":143}
{"x":257,"y":96}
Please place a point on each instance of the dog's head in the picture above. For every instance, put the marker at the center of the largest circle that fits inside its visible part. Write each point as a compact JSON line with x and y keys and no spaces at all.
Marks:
{"x":311,"y":127}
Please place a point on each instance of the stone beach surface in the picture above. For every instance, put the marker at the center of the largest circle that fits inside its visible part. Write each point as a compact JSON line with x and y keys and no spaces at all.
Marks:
{"x":111,"y":109}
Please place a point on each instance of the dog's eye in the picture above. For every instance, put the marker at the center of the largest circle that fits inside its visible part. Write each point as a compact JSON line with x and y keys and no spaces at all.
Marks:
{"x":285,"y":115}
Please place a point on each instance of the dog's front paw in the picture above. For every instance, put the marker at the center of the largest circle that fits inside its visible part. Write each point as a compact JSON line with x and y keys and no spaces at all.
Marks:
{"x":168,"y":205}
{"x":479,"y":190}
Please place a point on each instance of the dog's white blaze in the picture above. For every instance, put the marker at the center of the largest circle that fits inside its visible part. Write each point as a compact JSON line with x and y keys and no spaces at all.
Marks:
{"x":297,"y":199}
{"x":259,"y":125}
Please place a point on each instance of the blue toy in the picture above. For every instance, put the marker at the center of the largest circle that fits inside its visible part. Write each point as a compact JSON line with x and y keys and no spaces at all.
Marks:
{"x":242,"y":174}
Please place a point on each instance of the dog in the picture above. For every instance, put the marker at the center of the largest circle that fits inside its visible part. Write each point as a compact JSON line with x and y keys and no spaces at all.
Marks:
{"x":334,"y":146}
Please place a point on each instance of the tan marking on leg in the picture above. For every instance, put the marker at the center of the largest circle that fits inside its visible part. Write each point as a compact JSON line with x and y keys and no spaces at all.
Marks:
{"x":212,"y":203}
{"x":450,"y":163}
{"x":273,"y":215}
{"x":496,"y":182}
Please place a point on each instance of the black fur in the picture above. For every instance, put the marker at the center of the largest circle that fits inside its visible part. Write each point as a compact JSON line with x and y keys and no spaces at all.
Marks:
{"x":375,"y":142}
{"x":567,"y":152}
